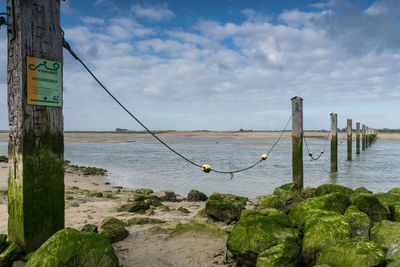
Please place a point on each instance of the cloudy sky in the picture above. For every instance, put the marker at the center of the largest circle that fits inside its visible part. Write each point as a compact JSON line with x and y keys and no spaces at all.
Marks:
{"x":228,"y":64}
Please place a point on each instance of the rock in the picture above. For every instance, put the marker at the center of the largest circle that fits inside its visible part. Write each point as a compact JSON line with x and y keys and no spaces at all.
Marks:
{"x":322,"y":230}
{"x":259,"y":230}
{"x":166,"y":195}
{"x":196,"y":195}
{"x":332,"y":188}
{"x":3,"y":159}
{"x":371,"y":206}
{"x":142,"y":197}
{"x":183,"y":210}
{"x":3,"y":242}
{"x":284,"y":254}
{"x":308,"y":192}
{"x":387,"y":199}
{"x":91,"y":228}
{"x":337,"y":202}
{"x":393,"y":255}
{"x":225,"y":207}
{"x":143,"y":191}
{"x":359,"y":221}
{"x":197,"y":229}
{"x":385,"y":233}
{"x":354,"y":252}
{"x":19,"y":264}
{"x":11,"y":253}
{"x":143,"y":220}
{"x":69,"y":247}
{"x":395,"y":190}
{"x":291,"y":187}
{"x":136,"y":206}
{"x":362,"y":189}
{"x":283,"y":198}
{"x":395,"y":211}
{"x":114,"y":229}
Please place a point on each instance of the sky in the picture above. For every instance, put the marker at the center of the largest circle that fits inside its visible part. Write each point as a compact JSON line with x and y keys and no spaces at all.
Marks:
{"x":227,"y":64}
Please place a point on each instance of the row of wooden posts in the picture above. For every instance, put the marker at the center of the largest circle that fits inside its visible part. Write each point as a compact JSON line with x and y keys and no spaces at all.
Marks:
{"x":367,"y":135}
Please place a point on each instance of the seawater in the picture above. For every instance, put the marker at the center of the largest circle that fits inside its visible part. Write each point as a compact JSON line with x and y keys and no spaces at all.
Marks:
{"x":140,"y":164}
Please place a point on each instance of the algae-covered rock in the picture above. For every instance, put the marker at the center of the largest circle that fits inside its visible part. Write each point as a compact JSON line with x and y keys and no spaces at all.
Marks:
{"x":3,"y":242}
{"x":196,"y":195}
{"x":143,"y":191}
{"x":395,"y":190}
{"x":166,"y":195}
{"x":387,"y":199}
{"x":3,"y":159}
{"x":198,"y":229}
{"x":91,"y":228}
{"x":385,"y":233}
{"x":225,"y":207}
{"x":371,"y":206}
{"x":136,"y":206}
{"x":11,"y":253}
{"x":258,"y":230}
{"x":284,"y":254}
{"x":359,"y":221}
{"x":283,"y":198}
{"x":395,"y":211}
{"x":143,"y":220}
{"x":322,"y":230}
{"x":308,"y":192}
{"x":354,"y":252}
{"x":393,"y":255}
{"x":337,"y":202}
{"x":69,"y":247}
{"x":362,"y":189}
{"x":114,"y":229}
{"x":291,"y":187}
{"x":332,"y":188}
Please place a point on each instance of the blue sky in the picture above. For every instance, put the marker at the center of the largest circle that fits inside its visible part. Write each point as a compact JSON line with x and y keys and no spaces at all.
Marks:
{"x":226,"y":65}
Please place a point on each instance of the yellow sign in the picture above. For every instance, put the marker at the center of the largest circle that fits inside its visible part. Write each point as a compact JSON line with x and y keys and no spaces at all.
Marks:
{"x":44,"y":82}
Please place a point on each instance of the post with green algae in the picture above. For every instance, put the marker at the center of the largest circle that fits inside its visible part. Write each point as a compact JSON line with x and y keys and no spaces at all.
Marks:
{"x":363,"y":136}
{"x":334,"y":142}
{"x":357,"y":138}
{"x":366,"y":137}
{"x":297,"y":140}
{"x":36,"y":139}
{"x":349,"y":138}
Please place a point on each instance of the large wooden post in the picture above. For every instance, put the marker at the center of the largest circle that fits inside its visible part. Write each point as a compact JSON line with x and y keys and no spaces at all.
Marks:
{"x":297,"y":140}
{"x":363,"y":136}
{"x":36,"y":140}
{"x":349,"y":138}
{"x":334,"y":142}
{"x":357,"y":138}
{"x":366,"y":137}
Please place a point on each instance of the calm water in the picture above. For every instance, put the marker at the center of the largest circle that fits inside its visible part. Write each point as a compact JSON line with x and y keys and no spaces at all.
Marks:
{"x":151,"y":165}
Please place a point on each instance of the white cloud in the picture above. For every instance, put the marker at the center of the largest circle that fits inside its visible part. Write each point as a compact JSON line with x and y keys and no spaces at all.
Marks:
{"x":66,"y":8}
{"x":92,"y":20}
{"x":158,"y":12}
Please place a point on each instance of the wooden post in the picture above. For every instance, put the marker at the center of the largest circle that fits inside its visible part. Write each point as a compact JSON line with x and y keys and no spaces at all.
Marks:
{"x":363,"y":136}
{"x":357,"y":138}
{"x":366,"y":137}
{"x":297,"y":140}
{"x":334,"y":142}
{"x":349,"y":138}
{"x":36,"y":139}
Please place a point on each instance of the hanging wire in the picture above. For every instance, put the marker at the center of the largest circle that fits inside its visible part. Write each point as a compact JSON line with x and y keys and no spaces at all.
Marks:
{"x":206,"y":168}
{"x":322,"y":150}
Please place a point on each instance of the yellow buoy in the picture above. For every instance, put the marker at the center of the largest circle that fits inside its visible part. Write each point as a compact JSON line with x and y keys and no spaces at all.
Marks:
{"x":264,"y":156}
{"x":322,"y":151}
{"x":310,"y":154}
{"x":206,"y":168}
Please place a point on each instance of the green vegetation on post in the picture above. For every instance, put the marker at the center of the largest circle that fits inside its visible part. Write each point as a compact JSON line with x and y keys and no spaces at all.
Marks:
{"x":334,"y":142}
{"x":357,"y":138}
{"x":297,"y":160}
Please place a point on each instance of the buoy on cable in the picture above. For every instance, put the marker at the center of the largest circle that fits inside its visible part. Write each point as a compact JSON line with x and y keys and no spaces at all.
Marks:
{"x":206,"y":168}
{"x":310,"y":154}
{"x":264,"y":156}
{"x":322,"y":151}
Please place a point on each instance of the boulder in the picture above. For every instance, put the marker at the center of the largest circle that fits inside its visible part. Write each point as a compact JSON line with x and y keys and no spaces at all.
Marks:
{"x":385,"y":233}
{"x":371,"y":206}
{"x":322,"y":230}
{"x":395,"y":211}
{"x":143,"y":220}
{"x":259,"y":230}
{"x":197,"y":229}
{"x":165,"y":195}
{"x":225,"y":207}
{"x":3,"y":159}
{"x":291,"y":187}
{"x":3,"y":242}
{"x":114,"y":229}
{"x":337,"y":202}
{"x":393,"y":255}
{"x":196,"y":195}
{"x":91,"y":228}
{"x":395,"y":190}
{"x":283,"y":198}
{"x":332,"y":188}
{"x":359,"y":221}
{"x":284,"y":254}
{"x":387,"y":199}
{"x":11,"y":253}
{"x":69,"y":247}
{"x":308,"y":192}
{"x":143,"y":191}
{"x":136,"y":206}
{"x":362,"y":189}
{"x":354,"y":252}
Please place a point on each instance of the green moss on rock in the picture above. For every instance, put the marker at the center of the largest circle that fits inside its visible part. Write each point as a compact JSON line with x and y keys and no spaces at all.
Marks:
{"x":165,"y":195}
{"x":385,"y":233}
{"x":283,"y":198}
{"x":114,"y":229}
{"x":332,"y":188}
{"x":136,"y":206}
{"x":395,"y":190}
{"x":143,"y":220}
{"x":354,"y":252}
{"x":360,"y":222}
{"x":3,"y":159}
{"x":143,"y":191}
{"x":308,"y":192}
{"x":387,"y":199}
{"x":362,"y":189}
{"x":225,"y":207}
{"x":395,"y":211}
{"x":11,"y":253}
{"x":284,"y":254}
{"x":198,"y":229}
{"x":70,"y":248}
{"x":90,"y":228}
{"x":393,"y":255}
{"x":3,"y":242}
{"x":371,"y":206}
{"x":258,"y":230}
{"x":196,"y":195}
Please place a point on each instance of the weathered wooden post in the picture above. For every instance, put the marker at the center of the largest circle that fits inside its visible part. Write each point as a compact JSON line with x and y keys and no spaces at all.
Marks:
{"x":297,"y":140}
{"x":349,"y":138}
{"x":36,"y":139}
{"x":357,"y":138}
{"x":334,"y":142}
{"x":366,"y":137}
{"x":363,"y":136}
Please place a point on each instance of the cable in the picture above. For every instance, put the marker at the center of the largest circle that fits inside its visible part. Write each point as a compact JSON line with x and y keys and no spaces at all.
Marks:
{"x":205,"y":168}
{"x":322,"y":150}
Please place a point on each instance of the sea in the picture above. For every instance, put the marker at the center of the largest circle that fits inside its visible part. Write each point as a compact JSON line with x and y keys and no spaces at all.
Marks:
{"x":143,"y":164}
